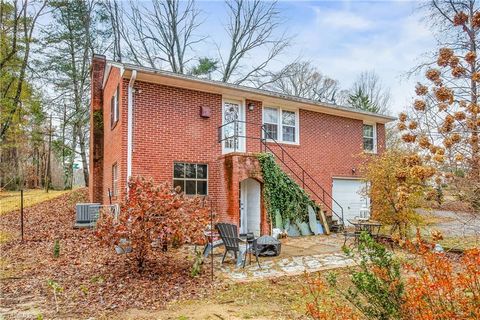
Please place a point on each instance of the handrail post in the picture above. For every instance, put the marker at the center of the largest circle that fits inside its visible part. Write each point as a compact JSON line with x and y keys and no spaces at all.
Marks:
{"x":235,"y":135}
{"x":260,"y":139}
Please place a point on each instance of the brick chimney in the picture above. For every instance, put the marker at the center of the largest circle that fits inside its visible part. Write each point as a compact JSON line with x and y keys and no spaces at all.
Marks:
{"x":95,"y":188}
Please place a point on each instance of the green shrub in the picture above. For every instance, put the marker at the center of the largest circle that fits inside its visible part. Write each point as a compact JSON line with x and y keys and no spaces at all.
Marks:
{"x":282,"y":193}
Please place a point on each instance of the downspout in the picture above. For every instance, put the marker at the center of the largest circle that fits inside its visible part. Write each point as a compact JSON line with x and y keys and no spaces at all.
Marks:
{"x":130,"y":125}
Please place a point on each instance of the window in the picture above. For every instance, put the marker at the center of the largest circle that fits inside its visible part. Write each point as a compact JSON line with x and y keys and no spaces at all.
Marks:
{"x":369,"y":138}
{"x":115,"y":180}
{"x":270,"y":121}
{"x":281,"y":125}
{"x":192,"y":178}
{"x":114,"y":108}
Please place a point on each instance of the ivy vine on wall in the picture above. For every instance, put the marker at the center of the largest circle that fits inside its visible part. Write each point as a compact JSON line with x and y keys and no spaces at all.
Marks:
{"x":282,"y":193}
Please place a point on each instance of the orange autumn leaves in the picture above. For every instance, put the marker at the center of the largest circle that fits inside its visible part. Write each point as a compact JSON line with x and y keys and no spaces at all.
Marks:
{"x":446,"y":112}
{"x":435,"y":286}
{"x":154,"y":218}
{"x":398,"y":183}
{"x":440,"y":287}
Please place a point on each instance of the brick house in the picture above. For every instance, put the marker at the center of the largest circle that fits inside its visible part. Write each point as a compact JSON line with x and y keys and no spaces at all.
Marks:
{"x":202,"y":135}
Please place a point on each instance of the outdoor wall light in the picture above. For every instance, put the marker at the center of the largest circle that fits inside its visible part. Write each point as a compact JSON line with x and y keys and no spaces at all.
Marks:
{"x":354,"y":171}
{"x":251,"y":105}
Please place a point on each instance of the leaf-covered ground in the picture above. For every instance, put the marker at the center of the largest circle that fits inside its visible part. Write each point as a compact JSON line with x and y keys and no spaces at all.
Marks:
{"x":93,"y":280}
{"x":10,"y":200}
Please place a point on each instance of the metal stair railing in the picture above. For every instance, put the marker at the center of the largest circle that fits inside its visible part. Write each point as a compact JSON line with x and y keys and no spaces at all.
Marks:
{"x":265,"y":139}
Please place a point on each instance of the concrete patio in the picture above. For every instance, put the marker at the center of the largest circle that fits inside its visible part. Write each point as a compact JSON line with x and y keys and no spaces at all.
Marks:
{"x":299,"y":255}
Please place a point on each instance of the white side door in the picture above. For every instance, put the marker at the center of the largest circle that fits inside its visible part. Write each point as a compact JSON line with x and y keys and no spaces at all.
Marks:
{"x":349,"y":194}
{"x":232,"y":133}
{"x":253,"y":206}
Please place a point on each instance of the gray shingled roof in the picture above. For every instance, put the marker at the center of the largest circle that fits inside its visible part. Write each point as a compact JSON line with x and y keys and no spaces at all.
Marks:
{"x":263,"y":92}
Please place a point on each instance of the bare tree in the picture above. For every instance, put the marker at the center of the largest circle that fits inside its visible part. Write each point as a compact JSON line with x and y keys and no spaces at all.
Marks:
{"x":163,"y":34}
{"x":369,"y":94}
{"x":444,"y":120}
{"x":113,"y":10}
{"x":302,"y":79}
{"x":252,"y":25}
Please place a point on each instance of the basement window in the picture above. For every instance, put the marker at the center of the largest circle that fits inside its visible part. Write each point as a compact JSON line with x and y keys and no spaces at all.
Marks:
{"x":192,"y":178}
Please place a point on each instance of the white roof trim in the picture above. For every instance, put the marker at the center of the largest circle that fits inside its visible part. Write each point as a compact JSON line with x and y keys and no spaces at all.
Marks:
{"x":205,"y":85}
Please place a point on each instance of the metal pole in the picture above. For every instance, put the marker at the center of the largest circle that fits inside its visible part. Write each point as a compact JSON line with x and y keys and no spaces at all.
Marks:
{"x":211,"y":242}
{"x":21,"y":213}
{"x":48,"y":171}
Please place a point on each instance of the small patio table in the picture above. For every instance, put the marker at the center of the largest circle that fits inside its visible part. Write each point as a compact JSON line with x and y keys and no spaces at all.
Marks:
{"x":250,"y":247}
{"x":372,"y":227}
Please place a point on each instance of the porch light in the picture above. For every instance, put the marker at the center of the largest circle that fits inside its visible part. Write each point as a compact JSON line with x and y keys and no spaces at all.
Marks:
{"x":251,"y":105}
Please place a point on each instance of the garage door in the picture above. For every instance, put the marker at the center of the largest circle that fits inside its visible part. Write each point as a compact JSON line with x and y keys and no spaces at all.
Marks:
{"x":348,"y":193}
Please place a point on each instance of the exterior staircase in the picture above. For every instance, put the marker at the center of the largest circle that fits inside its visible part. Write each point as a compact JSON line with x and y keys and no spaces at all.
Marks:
{"x":292,"y":168}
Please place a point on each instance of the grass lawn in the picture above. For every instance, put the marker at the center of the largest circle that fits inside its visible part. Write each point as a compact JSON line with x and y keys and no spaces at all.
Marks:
{"x":10,"y":200}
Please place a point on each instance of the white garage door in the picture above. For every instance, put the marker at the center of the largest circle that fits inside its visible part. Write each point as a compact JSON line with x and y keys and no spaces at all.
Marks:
{"x":348,"y":193}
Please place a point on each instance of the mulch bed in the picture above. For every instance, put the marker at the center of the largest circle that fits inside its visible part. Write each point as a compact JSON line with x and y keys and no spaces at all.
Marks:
{"x":94,"y":279}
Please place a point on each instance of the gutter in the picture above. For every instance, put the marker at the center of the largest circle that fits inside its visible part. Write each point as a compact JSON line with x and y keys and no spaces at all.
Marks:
{"x":130,"y":125}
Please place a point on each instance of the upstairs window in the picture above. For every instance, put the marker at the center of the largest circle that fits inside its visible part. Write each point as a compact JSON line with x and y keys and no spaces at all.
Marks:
{"x":114,"y":108}
{"x":270,"y":122}
{"x":115,"y":180}
{"x":369,"y":138}
{"x":192,"y":178}
{"x":280,"y":125}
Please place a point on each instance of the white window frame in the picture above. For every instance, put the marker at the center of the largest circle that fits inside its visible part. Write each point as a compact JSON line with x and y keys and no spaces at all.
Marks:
{"x":196,"y":179}
{"x":374,"y":126}
{"x":115,"y":180}
{"x":280,"y":124}
{"x":116,"y":107}
{"x":242,"y":145}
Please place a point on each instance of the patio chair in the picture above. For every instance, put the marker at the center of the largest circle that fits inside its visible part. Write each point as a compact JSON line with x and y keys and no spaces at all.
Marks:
{"x":349,"y":234}
{"x":229,"y":235}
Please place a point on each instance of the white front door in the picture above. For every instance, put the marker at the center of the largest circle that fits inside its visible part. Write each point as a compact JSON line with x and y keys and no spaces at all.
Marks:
{"x":250,"y":206}
{"x":349,"y":194}
{"x":233,"y":140}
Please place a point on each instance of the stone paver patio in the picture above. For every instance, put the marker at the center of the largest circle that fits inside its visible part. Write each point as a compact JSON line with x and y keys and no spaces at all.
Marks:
{"x":299,"y":255}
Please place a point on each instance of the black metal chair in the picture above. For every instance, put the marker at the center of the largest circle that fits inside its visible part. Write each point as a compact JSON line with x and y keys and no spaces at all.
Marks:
{"x":349,"y":234}
{"x":229,"y":235}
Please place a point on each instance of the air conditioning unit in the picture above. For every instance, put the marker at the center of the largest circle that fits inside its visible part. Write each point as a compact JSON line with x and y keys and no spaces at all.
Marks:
{"x":87,"y":214}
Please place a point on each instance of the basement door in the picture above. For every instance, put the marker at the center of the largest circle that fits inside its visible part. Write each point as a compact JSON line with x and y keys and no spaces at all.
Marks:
{"x":348,"y":193}
{"x":250,"y":206}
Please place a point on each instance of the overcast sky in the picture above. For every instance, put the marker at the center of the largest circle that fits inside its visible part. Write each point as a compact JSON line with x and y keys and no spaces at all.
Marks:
{"x":344,"y":38}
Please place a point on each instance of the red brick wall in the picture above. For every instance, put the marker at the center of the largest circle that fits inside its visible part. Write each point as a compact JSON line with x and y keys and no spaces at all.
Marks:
{"x":115,"y":140}
{"x":329,"y":146}
{"x":168,"y":128}
{"x":95,"y":187}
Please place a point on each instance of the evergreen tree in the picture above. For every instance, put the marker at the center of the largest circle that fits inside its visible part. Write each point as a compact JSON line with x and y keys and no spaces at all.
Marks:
{"x":69,"y":41}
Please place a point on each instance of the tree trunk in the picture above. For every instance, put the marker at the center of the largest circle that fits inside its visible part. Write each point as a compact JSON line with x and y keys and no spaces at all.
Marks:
{"x":83,"y":154}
